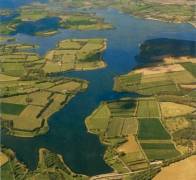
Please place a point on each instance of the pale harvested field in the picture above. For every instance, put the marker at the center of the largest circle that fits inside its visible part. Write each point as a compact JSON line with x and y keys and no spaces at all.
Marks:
{"x":58,"y":97}
{"x":3,"y":159}
{"x":182,"y":170}
{"x":173,"y":60}
{"x":154,"y":78}
{"x":170,"y":109}
{"x":70,"y":86}
{"x":69,"y":44}
{"x":189,"y":86}
{"x":51,"y":67}
{"x":7,"y":78}
{"x":39,"y":98}
{"x":20,"y":99}
{"x":175,"y":124}
{"x":188,"y":2}
{"x":27,"y":119}
{"x":130,"y":146}
{"x":160,"y":69}
{"x":49,"y":55}
{"x":55,"y":106}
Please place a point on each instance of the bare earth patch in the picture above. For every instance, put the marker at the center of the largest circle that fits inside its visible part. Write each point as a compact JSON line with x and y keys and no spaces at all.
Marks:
{"x":182,"y":170}
{"x":160,"y":69}
{"x":170,"y":109}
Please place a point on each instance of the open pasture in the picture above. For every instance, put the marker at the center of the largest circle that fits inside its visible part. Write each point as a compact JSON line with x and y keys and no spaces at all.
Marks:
{"x":98,"y":120}
{"x":71,"y":44}
{"x":152,"y":129}
{"x":66,"y":87}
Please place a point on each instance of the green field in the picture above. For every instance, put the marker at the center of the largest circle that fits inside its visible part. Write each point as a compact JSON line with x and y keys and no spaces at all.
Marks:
{"x":159,"y":151}
{"x":114,"y":128}
{"x":9,"y":108}
{"x":99,"y":119}
{"x":151,"y":128}
{"x":190,"y":67}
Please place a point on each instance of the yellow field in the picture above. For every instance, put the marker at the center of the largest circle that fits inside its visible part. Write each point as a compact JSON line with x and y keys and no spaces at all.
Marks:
{"x":4,"y":77}
{"x":66,"y":87}
{"x":175,"y":124}
{"x":3,"y":159}
{"x":39,"y":98}
{"x":69,"y":44}
{"x":188,"y":86}
{"x":170,"y":109}
{"x":130,"y":146}
{"x":55,"y":106}
{"x":160,"y":69}
{"x":173,"y":60}
{"x":27,"y":119}
{"x":20,"y":99}
{"x":58,"y":97}
{"x":182,"y":170}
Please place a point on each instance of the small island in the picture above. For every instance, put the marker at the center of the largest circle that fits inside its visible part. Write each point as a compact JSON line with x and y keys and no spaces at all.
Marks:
{"x":174,"y":11}
{"x":75,"y":54}
{"x":62,"y":18}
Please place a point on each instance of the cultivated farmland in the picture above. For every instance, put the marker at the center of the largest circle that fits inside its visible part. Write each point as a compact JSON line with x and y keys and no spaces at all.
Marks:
{"x":75,"y":54}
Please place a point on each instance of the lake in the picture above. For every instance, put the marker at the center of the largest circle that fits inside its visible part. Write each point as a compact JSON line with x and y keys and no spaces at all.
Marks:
{"x":68,"y":136}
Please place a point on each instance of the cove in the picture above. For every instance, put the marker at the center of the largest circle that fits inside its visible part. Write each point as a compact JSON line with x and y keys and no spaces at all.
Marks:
{"x":68,"y":136}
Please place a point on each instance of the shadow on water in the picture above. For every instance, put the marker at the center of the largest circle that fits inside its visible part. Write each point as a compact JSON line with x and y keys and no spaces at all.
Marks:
{"x":153,"y":50}
{"x":68,"y":136}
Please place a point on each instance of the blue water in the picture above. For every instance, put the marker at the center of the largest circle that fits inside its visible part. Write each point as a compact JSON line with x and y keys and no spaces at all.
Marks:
{"x":46,"y":24}
{"x":67,"y":135}
{"x":14,"y":4}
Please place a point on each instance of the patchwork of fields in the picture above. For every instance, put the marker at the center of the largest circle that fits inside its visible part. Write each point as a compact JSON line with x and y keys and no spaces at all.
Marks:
{"x":75,"y":54}
{"x":29,"y":110}
{"x":28,"y":96}
{"x":163,"y":79}
{"x":138,"y":131}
